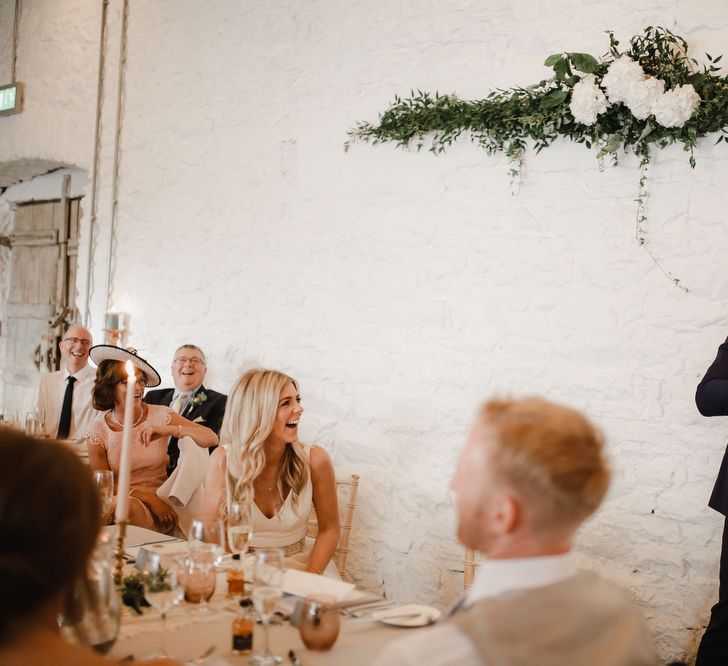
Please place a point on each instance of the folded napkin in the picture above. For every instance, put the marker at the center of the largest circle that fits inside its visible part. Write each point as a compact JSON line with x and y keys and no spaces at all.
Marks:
{"x":304,"y":584}
{"x":138,"y":536}
{"x":183,"y":490}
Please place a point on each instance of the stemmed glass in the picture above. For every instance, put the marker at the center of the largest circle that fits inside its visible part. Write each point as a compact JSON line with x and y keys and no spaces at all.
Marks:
{"x":239,"y":532}
{"x":163,"y":588}
{"x":267,"y":591}
{"x":104,"y":479}
{"x":206,"y":540}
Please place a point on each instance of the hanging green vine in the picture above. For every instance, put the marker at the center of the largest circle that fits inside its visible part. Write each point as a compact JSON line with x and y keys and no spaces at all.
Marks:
{"x":651,"y":94}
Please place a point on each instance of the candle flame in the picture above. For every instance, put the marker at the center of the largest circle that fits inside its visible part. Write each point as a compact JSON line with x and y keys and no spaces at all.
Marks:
{"x":130,"y":369}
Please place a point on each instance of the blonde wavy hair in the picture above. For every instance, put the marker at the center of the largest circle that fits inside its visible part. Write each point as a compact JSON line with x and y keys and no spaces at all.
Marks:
{"x":250,"y":415}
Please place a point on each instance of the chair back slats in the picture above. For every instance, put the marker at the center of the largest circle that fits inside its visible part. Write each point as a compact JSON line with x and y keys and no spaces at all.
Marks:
{"x":346,"y":490}
{"x":342,"y":550}
{"x":469,"y":569}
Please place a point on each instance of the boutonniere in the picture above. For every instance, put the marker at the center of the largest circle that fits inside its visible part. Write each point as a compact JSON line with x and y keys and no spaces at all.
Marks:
{"x":198,"y":399}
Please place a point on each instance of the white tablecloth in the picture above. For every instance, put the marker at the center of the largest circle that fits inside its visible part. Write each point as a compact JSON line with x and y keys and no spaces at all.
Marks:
{"x":189,"y":632}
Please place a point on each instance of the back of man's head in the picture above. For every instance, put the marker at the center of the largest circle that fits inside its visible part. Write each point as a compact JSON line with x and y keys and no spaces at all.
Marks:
{"x":552,"y":458}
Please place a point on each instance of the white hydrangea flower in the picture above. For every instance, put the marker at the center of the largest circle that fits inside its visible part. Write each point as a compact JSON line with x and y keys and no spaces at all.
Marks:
{"x":622,"y":73}
{"x":587,"y":100}
{"x":643,"y":95}
{"x":674,"y":107}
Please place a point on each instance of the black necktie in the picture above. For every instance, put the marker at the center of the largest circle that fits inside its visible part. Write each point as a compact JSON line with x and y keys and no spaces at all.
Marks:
{"x":64,"y":425}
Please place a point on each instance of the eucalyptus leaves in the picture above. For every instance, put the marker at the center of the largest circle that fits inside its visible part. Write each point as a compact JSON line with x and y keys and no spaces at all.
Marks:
{"x":652,"y":93}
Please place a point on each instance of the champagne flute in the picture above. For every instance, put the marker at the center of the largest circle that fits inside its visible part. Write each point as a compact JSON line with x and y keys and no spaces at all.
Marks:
{"x":162,"y":588}
{"x":104,"y":479}
{"x":268,"y":573}
{"x":206,"y":540}
{"x":239,"y":533}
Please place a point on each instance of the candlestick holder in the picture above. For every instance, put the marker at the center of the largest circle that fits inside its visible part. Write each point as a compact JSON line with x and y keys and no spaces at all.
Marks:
{"x":116,"y":328}
{"x":119,"y":553}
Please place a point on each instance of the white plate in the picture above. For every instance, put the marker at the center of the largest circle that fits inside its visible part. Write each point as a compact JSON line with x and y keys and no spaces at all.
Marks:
{"x":411,"y":615}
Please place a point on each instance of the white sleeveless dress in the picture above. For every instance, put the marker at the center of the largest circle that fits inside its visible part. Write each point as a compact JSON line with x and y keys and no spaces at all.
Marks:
{"x":288,"y":526}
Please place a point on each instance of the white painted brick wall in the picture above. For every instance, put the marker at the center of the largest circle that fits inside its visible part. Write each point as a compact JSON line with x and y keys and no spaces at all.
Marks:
{"x":399,"y":288}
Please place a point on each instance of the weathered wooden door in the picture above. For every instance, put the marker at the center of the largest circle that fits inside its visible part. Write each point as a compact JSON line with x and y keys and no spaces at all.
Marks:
{"x":41,"y":295}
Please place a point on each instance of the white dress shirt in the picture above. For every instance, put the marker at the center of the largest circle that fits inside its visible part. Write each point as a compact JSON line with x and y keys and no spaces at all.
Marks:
{"x":444,"y":644}
{"x":50,"y":400}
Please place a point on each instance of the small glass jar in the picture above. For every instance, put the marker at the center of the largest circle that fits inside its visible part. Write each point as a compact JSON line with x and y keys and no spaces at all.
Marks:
{"x":243,"y":627}
{"x":235,"y":580}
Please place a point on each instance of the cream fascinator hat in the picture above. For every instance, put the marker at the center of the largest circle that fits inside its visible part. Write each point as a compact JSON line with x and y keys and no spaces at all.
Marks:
{"x":100,"y":353}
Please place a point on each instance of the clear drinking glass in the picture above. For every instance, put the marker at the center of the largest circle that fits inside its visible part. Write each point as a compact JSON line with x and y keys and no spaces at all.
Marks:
{"x":92,"y":613}
{"x":239,"y":533}
{"x":206,"y":540}
{"x":104,"y":479}
{"x":268,"y":573}
{"x":199,"y":582}
{"x":40,"y":426}
{"x":319,"y":624}
{"x":30,"y":423}
{"x":162,"y":589}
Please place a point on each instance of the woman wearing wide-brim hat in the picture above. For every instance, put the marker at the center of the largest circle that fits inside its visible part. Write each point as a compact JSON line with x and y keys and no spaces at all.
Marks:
{"x":151,"y":429}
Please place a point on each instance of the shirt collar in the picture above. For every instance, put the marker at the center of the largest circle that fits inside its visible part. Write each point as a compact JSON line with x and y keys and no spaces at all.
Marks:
{"x":187,"y":395}
{"x":496,"y":577}
{"x":79,"y":374}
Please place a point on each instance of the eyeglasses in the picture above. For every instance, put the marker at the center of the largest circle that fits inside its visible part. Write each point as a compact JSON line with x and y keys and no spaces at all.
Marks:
{"x":195,"y":360}
{"x":141,"y":381}
{"x":74,"y":341}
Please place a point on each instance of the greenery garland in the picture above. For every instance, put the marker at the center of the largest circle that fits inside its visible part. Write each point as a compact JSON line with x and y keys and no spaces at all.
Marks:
{"x":506,"y":120}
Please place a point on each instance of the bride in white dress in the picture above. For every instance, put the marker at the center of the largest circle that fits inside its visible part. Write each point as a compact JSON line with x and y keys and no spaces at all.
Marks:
{"x":261,"y":460}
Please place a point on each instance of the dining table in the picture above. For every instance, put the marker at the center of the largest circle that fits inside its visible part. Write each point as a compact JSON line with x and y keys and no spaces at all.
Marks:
{"x":194,"y":636}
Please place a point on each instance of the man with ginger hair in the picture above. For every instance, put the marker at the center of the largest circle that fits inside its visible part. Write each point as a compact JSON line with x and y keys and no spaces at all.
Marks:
{"x":530,"y":473}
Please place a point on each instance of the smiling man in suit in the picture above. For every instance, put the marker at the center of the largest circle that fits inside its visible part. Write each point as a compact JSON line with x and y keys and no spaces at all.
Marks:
{"x":189,"y":397}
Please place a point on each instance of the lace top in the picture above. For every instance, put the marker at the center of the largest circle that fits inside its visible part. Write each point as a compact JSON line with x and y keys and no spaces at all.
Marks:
{"x":148,"y":463}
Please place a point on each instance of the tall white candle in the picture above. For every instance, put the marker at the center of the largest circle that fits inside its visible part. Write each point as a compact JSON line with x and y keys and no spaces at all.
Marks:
{"x":122,"y":499}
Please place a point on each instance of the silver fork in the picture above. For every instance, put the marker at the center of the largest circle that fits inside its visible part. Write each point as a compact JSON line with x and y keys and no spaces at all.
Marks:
{"x":363,"y":612}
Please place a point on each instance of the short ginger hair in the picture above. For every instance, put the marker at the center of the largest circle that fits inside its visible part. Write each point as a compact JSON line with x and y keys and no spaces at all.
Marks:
{"x":551,"y":456}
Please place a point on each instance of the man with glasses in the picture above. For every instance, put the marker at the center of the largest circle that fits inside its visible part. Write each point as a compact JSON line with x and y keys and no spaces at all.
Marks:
{"x":64,"y":396}
{"x":189,"y":397}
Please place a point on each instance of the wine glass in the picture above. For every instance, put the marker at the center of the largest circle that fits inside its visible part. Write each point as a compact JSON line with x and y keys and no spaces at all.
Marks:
{"x":162,"y":588}
{"x":239,"y":533}
{"x":267,"y":591}
{"x":104,"y":479}
{"x":206,"y":540}
{"x":199,"y":582}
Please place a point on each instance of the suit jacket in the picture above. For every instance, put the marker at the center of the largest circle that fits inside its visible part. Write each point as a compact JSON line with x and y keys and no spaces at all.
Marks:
{"x":208,"y":413}
{"x":584,"y":620}
{"x":711,"y":397}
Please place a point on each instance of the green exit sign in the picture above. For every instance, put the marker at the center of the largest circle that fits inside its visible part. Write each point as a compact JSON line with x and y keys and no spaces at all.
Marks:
{"x":11,"y":99}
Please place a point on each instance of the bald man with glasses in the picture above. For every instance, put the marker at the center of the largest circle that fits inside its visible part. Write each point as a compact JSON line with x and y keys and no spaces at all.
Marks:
{"x":189,"y":397}
{"x":64,"y":396}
